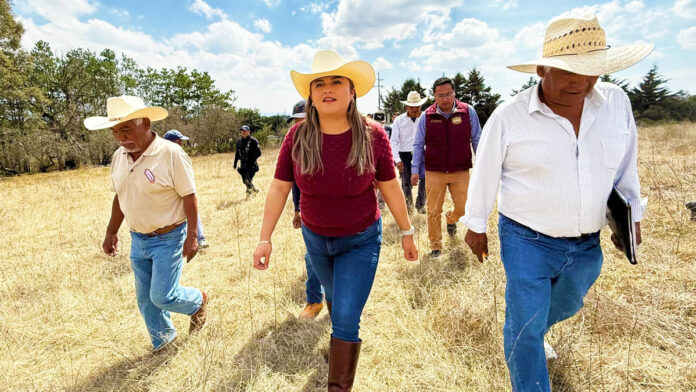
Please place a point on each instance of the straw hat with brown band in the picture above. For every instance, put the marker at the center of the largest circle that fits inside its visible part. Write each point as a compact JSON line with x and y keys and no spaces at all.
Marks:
{"x":579,"y":45}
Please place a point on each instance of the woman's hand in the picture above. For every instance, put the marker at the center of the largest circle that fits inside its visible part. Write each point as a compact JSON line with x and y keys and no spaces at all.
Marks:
{"x":263,"y":251}
{"x":409,"y":246}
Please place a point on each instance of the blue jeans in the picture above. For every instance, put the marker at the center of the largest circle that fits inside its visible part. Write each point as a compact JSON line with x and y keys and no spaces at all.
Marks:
{"x":157,"y":265}
{"x":346,"y":267}
{"x":199,"y":229}
{"x":547,"y":279}
{"x":313,"y":288}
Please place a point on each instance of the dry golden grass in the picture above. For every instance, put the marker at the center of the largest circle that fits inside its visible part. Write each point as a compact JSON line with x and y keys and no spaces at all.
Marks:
{"x":68,"y":317}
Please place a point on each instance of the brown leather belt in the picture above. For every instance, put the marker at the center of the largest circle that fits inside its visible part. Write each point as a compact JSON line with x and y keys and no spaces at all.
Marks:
{"x":164,"y":230}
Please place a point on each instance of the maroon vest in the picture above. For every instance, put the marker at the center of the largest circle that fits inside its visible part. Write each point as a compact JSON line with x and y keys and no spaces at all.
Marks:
{"x":448,"y":140}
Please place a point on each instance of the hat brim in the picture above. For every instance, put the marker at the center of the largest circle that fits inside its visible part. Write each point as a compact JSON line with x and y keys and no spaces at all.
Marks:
{"x":419,"y":103}
{"x":597,"y":63}
{"x":359,"y":72}
{"x":153,"y":113}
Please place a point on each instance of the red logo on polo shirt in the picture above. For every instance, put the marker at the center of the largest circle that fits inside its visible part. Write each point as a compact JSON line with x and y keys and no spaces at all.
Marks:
{"x":150,"y":176}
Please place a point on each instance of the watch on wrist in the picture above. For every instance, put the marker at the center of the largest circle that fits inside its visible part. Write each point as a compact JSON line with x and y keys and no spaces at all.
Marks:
{"x":408,"y":232}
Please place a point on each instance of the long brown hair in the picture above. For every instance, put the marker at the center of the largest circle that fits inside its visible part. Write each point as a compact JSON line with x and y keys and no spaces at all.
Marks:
{"x":307,"y":146}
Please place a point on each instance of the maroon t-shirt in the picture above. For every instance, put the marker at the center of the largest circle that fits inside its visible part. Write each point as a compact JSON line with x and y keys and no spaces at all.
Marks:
{"x":336,"y":201}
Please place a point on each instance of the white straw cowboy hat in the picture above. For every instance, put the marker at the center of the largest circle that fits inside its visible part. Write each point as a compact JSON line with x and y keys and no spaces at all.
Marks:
{"x":579,"y":45}
{"x":329,"y":63}
{"x":122,"y":109}
{"x":414,"y":99}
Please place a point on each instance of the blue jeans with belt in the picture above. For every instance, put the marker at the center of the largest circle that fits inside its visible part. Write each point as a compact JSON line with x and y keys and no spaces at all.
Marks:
{"x":547,"y":279}
{"x":157,"y":263}
{"x":346,"y":267}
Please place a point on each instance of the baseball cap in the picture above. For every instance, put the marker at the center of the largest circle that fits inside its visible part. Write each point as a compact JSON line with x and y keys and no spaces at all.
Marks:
{"x":245,"y":128}
{"x":174,"y":135}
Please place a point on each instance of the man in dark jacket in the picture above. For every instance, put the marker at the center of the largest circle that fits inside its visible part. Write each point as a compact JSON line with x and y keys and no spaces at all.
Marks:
{"x":442,"y":153}
{"x":246,"y":153}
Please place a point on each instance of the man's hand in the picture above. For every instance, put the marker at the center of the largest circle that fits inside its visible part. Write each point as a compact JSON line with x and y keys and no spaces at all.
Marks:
{"x":400,"y":166}
{"x":263,"y":251}
{"x":190,"y":247}
{"x":297,"y":220}
{"x":409,"y":246}
{"x":478,"y":242}
{"x":110,"y":244}
{"x":414,"y":179}
{"x":617,"y":244}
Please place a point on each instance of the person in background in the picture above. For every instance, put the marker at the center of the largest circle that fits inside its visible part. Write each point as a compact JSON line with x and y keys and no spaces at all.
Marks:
{"x":402,"y":139}
{"x":156,"y":195}
{"x":445,"y":135}
{"x":177,"y":137}
{"x":246,"y":153}
{"x":314,"y":293}
{"x":337,"y":157}
{"x":556,"y":150}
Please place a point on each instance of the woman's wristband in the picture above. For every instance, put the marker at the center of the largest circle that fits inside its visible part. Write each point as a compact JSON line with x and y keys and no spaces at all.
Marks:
{"x":408,"y":232}
{"x":264,"y":242}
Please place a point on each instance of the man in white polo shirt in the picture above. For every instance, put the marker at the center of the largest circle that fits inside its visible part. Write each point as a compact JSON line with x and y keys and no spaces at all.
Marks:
{"x":156,"y":194}
{"x":402,"y":137}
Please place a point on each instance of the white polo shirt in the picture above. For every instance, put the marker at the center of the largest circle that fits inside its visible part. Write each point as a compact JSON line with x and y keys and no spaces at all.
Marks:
{"x":151,"y":190}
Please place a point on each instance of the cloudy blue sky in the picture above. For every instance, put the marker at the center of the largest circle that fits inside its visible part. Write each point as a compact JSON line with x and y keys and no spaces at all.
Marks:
{"x":251,"y":46}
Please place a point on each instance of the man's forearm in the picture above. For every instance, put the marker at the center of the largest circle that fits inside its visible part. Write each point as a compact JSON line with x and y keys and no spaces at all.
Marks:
{"x":191,"y":211}
{"x":116,"y":217}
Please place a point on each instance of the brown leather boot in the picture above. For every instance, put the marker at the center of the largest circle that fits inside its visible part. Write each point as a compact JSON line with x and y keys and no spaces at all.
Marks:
{"x":343,"y":361}
{"x":198,"y":318}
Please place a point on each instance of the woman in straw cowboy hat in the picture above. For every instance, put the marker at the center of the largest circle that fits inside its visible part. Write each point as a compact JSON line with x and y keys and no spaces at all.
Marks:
{"x":337,"y":158}
{"x":556,"y":149}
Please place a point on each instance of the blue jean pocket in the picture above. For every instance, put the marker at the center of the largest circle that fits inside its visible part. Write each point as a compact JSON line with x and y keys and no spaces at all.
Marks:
{"x":508,"y":226}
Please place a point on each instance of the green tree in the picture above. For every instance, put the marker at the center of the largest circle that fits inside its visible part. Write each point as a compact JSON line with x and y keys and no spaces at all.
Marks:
{"x":532,"y":81}
{"x":391,"y":102}
{"x":651,"y":98}
{"x":475,"y":92}
{"x":619,"y":82}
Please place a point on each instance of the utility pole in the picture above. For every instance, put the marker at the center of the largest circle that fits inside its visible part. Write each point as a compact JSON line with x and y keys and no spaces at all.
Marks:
{"x":379,"y":92}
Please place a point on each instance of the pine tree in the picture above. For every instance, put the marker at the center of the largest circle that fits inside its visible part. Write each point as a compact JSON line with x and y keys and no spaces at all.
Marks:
{"x":532,"y":81}
{"x":650,"y":98}
{"x":475,"y":92}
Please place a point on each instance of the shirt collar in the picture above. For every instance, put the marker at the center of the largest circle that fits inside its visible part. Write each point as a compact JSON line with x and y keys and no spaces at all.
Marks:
{"x":595,"y":98}
{"x":442,"y":112}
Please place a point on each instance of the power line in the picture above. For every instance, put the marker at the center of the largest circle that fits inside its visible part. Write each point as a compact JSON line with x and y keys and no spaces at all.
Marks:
{"x":379,"y":92}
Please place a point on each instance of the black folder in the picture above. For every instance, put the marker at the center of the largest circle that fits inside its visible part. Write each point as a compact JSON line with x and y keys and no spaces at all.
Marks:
{"x":621,"y":223}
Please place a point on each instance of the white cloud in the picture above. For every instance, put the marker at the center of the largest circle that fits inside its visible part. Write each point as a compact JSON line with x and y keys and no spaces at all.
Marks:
{"x":203,"y":8}
{"x":380,"y":64}
{"x":314,"y":8}
{"x":272,"y":3}
{"x":263,"y":25}
{"x":370,"y":23}
{"x":685,"y":9}
{"x":248,"y":64}
{"x":505,"y":5}
{"x":687,"y":38}
{"x":60,"y":11}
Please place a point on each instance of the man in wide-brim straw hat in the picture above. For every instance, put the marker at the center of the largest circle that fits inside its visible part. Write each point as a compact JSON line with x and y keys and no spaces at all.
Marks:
{"x":557,"y":149}
{"x":402,"y":137}
{"x":156,"y":194}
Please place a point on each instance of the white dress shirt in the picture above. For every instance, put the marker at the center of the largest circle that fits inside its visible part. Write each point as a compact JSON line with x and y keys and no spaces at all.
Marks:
{"x":403,"y":135}
{"x":550,"y":180}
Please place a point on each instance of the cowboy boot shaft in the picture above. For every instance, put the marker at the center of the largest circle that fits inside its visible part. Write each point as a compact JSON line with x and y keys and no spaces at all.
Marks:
{"x":343,"y":362}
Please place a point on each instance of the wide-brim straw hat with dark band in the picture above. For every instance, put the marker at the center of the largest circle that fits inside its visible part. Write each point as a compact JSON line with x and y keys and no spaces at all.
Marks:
{"x":329,"y":63}
{"x":122,"y":109}
{"x":579,"y":45}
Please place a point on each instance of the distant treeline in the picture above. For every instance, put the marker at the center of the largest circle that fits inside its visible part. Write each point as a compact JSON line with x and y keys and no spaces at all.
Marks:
{"x":44,"y":97}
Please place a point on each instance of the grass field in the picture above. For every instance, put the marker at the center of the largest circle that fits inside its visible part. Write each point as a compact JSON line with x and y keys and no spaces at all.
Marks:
{"x":69,"y":321}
